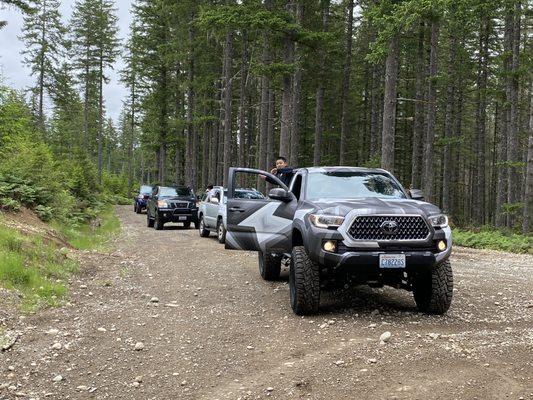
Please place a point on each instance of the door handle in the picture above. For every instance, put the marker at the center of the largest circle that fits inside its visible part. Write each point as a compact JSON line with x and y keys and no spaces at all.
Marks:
{"x":236,"y":209}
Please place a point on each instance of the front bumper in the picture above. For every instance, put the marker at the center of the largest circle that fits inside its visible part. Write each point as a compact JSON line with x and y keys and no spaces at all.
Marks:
{"x":141,"y":203}
{"x":179,"y":215}
{"x":421,"y":256}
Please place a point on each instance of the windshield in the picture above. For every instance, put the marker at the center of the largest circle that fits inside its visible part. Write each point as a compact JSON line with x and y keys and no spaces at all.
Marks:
{"x":352,"y":185}
{"x":245,"y":194}
{"x":185,"y":192}
{"x":170,"y":191}
{"x":145,"y":189}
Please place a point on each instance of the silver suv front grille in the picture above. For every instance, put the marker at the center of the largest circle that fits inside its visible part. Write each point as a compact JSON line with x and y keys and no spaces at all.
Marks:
{"x":384,"y":227}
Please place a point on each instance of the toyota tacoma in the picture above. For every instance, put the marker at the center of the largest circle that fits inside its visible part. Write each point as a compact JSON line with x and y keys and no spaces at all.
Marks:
{"x":344,"y":225}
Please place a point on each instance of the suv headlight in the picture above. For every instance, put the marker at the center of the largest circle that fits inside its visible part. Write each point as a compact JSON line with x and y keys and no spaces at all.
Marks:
{"x":326,"y":221}
{"x":162,"y":204}
{"x":439,"y":221}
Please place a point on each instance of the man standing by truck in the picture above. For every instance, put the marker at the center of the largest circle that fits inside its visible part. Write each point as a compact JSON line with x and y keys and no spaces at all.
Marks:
{"x":282,"y":171}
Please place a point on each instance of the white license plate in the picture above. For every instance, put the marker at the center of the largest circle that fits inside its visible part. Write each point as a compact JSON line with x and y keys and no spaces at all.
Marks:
{"x":182,"y":218}
{"x":392,"y":261}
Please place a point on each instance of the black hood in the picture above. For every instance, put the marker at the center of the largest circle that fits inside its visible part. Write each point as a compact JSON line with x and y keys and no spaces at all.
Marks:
{"x":374,"y":205}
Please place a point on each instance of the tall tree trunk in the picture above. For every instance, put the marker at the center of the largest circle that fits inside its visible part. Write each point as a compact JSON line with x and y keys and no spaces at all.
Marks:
{"x":285,"y":131}
{"x":190,"y":167}
{"x":448,"y":127}
{"x":375,"y":108}
{"x":297,"y":91}
{"x":264,"y":106}
{"x":205,"y":151}
{"x":418,"y":125}
{"x":133,"y":104}
{"x":501,"y":185}
{"x":213,"y":145}
{"x":429,"y":175}
{"x":42,"y":71}
{"x":243,"y":102}
{"x":513,"y":192}
{"x":228,"y":59}
{"x":345,"y":90}
{"x":389,"y":105}
{"x":86,"y":101}
{"x":319,"y":97}
{"x":481,"y":118}
{"x":100,"y":114}
{"x":527,"y":225}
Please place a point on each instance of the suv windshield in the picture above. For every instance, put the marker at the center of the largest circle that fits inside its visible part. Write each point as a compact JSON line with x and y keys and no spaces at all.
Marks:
{"x":352,"y":185}
{"x":185,"y":192}
{"x":170,"y":191}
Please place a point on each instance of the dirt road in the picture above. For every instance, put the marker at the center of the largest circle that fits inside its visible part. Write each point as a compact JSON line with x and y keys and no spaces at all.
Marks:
{"x":168,"y":315}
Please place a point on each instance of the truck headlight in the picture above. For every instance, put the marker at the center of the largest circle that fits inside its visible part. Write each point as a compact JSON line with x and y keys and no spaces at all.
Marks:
{"x":439,"y":221}
{"x":326,"y":221}
{"x":162,"y":204}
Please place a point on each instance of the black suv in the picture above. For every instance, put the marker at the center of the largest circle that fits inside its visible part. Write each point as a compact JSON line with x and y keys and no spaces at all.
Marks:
{"x":171,"y":204}
{"x":345,"y":225}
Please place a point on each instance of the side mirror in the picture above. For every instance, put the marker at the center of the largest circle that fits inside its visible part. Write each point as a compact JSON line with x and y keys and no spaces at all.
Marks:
{"x":416,"y":194}
{"x":280,"y":194}
{"x":215,"y":200}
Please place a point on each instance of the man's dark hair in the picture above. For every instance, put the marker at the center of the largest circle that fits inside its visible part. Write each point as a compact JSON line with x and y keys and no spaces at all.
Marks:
{"x":210,"y":187}
{"x":281,"y":158}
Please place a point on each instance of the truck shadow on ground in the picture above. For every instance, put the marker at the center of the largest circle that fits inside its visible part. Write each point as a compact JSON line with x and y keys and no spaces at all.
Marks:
{"x":367,"y":301}
{"x":361,"y":299}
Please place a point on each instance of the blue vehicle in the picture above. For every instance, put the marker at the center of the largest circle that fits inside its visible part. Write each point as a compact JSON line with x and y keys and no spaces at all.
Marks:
{"x":141,"y":199}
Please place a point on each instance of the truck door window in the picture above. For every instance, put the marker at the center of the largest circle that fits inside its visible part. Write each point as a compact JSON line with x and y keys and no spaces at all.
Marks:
{"x":296,"y":186}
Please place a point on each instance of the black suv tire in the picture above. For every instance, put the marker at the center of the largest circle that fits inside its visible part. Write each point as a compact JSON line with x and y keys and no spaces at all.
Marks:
{"x":203,"y":232}
{"x":304,"y":283}
{"x":138,"y":209}
{"x":221,"y":232}
{"x":269,"y":266}
{"x":149,"y":221}
{"x":158,"y":224}
{"x":433,"y":291}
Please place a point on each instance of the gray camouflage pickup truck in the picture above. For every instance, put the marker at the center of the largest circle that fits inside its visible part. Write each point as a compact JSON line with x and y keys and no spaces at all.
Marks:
{"x":344,"y":225}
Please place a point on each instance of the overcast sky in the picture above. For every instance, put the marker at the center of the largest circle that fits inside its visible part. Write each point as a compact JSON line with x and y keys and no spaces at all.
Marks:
{"x":17,"y":75}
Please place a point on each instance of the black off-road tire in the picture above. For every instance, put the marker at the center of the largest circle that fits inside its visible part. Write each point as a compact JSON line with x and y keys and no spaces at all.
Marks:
{"x":221,"y":232}
{"x":158,"y":224}
{"x":433,"y":291}
{"x":138,"y":209}
{"x":149,"y":221}
{"x":201,"y":228}
{"x":304,"y":283}
{"x":269,"y":266}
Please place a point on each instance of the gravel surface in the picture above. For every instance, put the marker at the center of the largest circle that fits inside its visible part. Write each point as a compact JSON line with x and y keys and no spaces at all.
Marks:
{"x":169,"y":315}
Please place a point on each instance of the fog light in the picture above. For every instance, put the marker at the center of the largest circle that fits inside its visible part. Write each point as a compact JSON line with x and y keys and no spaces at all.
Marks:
{"x":441,"y":245}
{"x":330,"y":246}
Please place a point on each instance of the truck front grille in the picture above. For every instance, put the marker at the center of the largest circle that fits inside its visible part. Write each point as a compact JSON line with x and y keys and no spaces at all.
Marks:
{"x":179,"y":205}
{"x":382,"y":227}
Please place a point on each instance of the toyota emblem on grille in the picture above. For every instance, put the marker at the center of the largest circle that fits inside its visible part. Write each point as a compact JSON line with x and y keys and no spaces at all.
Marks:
{"x":389,"y":227}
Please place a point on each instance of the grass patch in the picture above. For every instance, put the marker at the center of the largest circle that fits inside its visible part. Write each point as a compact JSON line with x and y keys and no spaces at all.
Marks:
{"x":494,"y":239}
{"x":39,"y":271}
{"x":90,"y":236}
{"x":36,"y":270}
